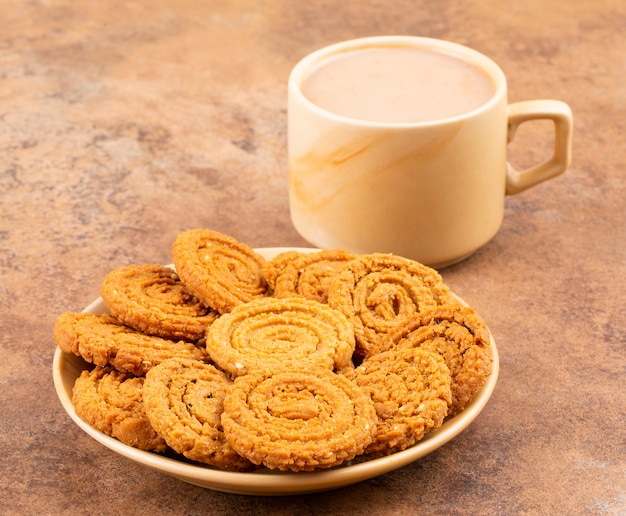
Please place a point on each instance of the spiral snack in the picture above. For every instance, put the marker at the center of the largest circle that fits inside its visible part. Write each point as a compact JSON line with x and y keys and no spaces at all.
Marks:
{"x":112,"y":402}
{"x":184,"y":400}
{"x":266,"y":333}
{"x":103,"y":340}
{"x":311,"y":274}
{"x":298,"y":419}
{"x":410,"y":389}
{"x":461,"y":337}
{"x":379,"y":291}
{"x":151,"y":299}
{"x":219,"y":270}
{"x":272,"y":268}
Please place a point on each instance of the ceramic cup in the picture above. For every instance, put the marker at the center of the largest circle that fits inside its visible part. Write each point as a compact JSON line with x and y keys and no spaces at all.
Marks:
{"x":432,"y":190}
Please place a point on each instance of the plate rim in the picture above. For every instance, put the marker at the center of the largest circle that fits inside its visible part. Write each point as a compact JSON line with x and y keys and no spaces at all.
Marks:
{"x":265,"y":482}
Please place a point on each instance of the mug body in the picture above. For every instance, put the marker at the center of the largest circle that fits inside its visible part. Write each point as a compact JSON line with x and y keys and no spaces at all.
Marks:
{"x":432,"y":191}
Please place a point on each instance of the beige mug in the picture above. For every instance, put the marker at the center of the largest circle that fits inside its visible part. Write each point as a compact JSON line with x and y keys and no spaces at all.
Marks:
{"x":398,"y":144}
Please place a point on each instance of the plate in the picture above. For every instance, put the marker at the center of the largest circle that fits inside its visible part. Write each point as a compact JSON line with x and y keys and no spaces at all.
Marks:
{"x":66,"y":368}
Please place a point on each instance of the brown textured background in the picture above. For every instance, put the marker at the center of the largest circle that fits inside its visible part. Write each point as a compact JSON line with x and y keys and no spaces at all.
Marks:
{"x":123,"y":123}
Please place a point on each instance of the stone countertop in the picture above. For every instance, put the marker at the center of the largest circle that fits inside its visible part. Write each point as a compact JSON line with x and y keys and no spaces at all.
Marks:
{"x":124,"y":123}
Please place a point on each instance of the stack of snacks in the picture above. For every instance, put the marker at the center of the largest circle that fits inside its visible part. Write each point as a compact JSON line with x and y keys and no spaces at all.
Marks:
{"x":298,"y":363}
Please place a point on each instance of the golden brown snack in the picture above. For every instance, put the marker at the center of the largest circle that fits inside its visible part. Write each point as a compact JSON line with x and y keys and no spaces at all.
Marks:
{"x":184,"y":400}
{"x":298,"y":419}
{"x":103,"y":340}
{"x":311,"y":274}
{"x":410,"y":389}
{"x":112,"y":402}
{"x":461,"y":337}
{"x":379,"y":291}
{"x":272,"y":268}
{"x":219,"y":270}
{"x":266,"y":333}
{"x":152,"y":299}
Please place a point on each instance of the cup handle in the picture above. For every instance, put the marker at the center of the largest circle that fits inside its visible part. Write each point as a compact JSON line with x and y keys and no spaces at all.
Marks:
{"x":561,"y":114}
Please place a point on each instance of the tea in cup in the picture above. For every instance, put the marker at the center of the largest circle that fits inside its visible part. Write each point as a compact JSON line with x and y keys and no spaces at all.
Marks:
{"x":398,"y":144}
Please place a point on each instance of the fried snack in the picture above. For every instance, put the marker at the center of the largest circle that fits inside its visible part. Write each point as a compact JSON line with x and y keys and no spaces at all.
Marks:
{"x":103,"y":340}
{"x":379,"y":291}
{"x":184,"y":400}
{"x":410,"y":389}
{"x":219,"y":270}
{"x":150,"y":298}
{"x":112,"y":402}
{"x":298,"y":419}
{"x":461,"y":337}
{"x":266,"y":333}
{"x":272,"y":268}
{"x":311,"y":274}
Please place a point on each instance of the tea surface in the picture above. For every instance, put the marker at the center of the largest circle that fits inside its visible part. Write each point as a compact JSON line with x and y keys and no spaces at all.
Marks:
{"x":397,"y":85}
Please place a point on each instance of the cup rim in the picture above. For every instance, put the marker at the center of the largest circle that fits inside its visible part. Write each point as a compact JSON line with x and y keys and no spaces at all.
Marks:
{"x":307,"y":63}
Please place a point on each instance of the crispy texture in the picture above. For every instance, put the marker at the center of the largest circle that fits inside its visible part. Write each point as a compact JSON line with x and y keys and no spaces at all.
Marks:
{"x":298,"y":420}
{"x":288,"y":330}
{"x":219,"y":270}
{"x":272,"y":268}
{"x":112,"y":402}
{"x":184,"y":401}
{"x":377,"y":292}
{"x":410,"y":389}
{"x":266,"y":333}
{"x":152,"y":299}
{"x":103,"y":340}
{"x":461,"y":337}
{"x":310,"y":275}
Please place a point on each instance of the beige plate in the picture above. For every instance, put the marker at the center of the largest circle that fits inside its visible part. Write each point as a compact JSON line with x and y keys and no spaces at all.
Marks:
{"x":66,"y":368}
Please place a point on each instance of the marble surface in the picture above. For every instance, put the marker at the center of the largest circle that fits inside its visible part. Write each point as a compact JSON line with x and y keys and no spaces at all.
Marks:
{"x":123,"y":123}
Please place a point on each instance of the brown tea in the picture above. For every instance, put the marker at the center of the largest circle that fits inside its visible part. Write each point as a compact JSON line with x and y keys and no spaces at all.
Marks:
{"x":398,"y":85}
